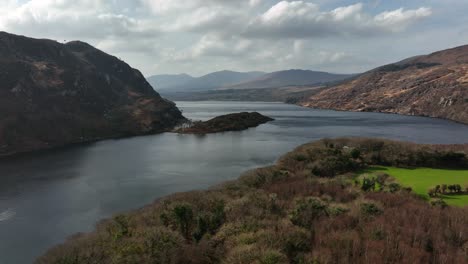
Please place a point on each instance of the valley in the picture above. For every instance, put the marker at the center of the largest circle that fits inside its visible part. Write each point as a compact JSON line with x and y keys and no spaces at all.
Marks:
{"x":264,"y":132}
{"x":432,"y":85}
{"x":283,"y":94}
{"x":231,"y":80}
{"x":52,"y":195}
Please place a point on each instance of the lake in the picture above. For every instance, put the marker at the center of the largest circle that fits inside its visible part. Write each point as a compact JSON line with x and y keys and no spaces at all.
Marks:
{"x":49,"y":196}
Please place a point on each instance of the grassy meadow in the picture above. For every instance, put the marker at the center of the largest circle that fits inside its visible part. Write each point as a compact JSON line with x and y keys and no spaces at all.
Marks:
{"x":422,"y":179}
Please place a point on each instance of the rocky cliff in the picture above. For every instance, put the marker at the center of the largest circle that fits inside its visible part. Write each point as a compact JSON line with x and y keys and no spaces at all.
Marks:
{"x":435,"y":85}
{"x":54,"y":94}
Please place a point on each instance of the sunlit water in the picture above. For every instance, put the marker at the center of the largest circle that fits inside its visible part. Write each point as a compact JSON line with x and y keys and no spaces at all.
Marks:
{"x":46,"y":197}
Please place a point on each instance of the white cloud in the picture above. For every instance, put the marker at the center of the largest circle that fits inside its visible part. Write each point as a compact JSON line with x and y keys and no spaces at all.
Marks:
{"x":300,"y":19}
{"x":255,"y":2}
{"x":162,"y":6}
{"x":208,"y":35}
{"x":167,"y":6}
{"x":204,"y":19}
{"x":285,"y":10}
{"x":212,"y":45}
{"x":347,"y":12}
{"x":69,"y":19}
{"x":399,"y":19}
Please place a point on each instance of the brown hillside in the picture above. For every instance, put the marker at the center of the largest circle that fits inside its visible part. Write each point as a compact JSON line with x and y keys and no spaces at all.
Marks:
{"x":310,"y":207}
{"x":435,"y":85}
{"x":54,"y":94}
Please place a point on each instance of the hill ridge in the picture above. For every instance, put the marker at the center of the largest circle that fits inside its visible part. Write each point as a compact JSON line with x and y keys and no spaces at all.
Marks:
{"x":54,"y":94}
{"x":433,"y":85}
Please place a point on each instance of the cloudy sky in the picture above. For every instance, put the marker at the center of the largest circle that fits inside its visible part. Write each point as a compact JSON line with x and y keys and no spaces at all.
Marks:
{"x":201,"y":36}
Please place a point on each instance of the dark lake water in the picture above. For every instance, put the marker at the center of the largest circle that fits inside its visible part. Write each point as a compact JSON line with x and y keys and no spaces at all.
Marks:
{"x":44,"y":198}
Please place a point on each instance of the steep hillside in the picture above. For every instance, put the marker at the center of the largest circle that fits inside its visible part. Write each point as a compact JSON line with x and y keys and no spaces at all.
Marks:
{"x":290,"y":78}
{"x":435,"y":85}
{"x":165,"y":81}
{"x":54,"y":94}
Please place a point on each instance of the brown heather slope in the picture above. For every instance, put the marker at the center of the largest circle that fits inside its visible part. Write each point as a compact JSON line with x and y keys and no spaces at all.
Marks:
{"x":435,"y":85}
{"x":307,"y":208}
{"x":54,"y":94}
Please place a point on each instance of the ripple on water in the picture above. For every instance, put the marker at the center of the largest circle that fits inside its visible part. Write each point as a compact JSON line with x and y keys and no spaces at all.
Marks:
{"x":7,"y":215}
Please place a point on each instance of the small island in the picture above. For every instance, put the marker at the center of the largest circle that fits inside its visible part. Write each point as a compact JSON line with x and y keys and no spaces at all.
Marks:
{"x":224,"y":123}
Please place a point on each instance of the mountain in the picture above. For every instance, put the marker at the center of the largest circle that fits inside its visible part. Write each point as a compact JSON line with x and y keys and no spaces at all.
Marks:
{"x":288,"y":94}
{"x":434,"y":85}
{"x":290,"y":78}
{"x":165,"y":81}
{"x":54,"y":94}
{"x":213,"y":81}
{"x":285,"y":86}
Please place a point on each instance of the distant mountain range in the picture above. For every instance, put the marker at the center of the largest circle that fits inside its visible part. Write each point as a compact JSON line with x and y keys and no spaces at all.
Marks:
{"x":166,"y":81}
{"x":434,"y":85}
{"x":226,"y":80}
{"x":288,"y":85}
{"x":290,"y":78}
{"x":185,"y":82}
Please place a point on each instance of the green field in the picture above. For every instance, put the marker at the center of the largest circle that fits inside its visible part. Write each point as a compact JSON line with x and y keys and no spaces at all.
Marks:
{"x":422,"y":179}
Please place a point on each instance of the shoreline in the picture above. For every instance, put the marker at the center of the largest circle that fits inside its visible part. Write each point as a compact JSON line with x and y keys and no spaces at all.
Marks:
{"x":58,"y":148}
{"x":287,"y":165}
{"x":21,"y":154}
{"x":330,"y":109}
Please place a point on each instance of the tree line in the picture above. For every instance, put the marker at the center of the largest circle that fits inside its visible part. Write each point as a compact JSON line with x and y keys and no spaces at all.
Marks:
{"x":446,"y":189}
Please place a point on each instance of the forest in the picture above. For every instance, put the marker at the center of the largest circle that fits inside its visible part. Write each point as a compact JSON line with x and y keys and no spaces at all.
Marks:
{"x":310,"y":207}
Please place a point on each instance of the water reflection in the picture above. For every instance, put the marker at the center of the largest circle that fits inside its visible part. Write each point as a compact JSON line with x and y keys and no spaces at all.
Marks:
{"x":48,"y":196}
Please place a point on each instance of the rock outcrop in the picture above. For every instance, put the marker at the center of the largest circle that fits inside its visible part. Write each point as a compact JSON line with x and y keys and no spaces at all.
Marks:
{"x":224,"y":123}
